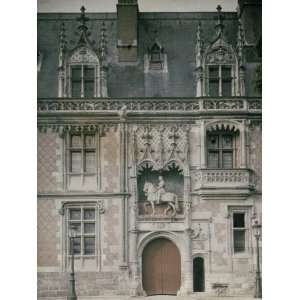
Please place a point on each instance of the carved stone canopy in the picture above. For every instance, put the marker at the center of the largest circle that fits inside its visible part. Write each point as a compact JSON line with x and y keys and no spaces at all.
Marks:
{"x":161,"y":146}
{"x":84,"y":55}
{"x":223,"y":126}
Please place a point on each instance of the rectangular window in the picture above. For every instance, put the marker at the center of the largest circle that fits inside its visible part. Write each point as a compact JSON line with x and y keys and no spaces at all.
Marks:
{"x":83,"y":219}
{"x":239,"y":232}
{"x":83,"y":81}
{"x":219,"y":81}
{"x":220,"y":151}
{"x":213,"y":81}
{"x":82,"y":167}
{"x":82,"y":149}
{"x":76,"y":82}
{"x":226,"y":81}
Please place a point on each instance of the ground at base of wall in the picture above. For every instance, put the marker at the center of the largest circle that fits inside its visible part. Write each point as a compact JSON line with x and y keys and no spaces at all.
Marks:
{"x":193,"y":297}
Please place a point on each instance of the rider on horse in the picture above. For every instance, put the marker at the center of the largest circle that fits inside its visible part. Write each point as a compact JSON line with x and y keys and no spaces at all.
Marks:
{"x":160,"y":188}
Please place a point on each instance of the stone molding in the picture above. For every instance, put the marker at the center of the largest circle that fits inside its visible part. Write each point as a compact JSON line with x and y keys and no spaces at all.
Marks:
{"x":149,"y":105}
{"x":79,"y":195}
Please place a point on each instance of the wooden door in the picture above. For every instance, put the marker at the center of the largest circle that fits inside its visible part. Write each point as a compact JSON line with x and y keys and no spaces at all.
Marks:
{"x":161,"y":268}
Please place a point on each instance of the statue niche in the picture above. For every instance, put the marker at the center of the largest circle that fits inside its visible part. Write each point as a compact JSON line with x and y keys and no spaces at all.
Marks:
{"x":160,"y":192}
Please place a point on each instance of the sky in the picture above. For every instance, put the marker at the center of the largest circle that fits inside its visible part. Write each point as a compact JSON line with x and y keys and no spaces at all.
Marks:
{"x":144,"y":5}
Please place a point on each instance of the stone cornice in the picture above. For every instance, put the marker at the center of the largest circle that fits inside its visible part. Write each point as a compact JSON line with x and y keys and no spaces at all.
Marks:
{"x":81,"y":195}
{"x":107,"y":108}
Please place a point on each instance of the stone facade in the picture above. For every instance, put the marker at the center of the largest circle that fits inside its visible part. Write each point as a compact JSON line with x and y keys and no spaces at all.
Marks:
{"x":109,"y":155}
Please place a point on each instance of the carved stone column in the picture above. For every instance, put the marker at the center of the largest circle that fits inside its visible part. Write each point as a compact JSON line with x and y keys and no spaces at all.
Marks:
{"x":61,"y":82}
{"x":135,"y":278}
{"x":124,"y":189}
{"x":103,"y":82}
{"x":202,"y":144}
{"x":199,"y":82}
{"x":242,"y":81}
{"x":243,"y":145}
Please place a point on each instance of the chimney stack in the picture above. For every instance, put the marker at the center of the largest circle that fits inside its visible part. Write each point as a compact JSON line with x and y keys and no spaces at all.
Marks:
{"x":127,"y":30}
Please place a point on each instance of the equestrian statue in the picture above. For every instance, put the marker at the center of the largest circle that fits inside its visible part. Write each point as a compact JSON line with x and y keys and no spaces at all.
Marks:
{"x":156,"y":195}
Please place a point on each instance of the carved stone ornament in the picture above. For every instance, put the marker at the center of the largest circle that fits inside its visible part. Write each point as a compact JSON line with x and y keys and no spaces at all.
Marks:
{"x":63,"y":129}
{"x":221,"y":55}
{"x":84,"y":55}
{"x":161,"y":146}
{"x":198,"y":234}
{"x":100,"y":206}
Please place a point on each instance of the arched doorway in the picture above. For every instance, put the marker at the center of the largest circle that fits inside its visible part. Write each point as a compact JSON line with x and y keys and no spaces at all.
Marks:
{"x":161,"y":268}
{"x":198,"y":274}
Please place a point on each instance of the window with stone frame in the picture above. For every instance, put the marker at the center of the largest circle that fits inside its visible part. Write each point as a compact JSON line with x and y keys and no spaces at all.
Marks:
{"x":240,"y":227}
{"x":156,"y":57}
{"x":83,"y":219}
{"x":220,"y":80}
{"x":220,"y":150}
{"x":83,"y":81}
{"x":239,"y":232}
{"x":82,"y":160}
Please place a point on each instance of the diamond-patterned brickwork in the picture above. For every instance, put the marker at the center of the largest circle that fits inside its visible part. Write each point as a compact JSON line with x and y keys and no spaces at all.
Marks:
{"x":255,"y":153}
{"x":47,"y":233}
{"x":46,"y":162}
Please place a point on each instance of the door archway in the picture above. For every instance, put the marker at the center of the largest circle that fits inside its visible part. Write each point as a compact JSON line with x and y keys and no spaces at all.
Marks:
{"x":161,"y":270}
{"x":198,"y":275}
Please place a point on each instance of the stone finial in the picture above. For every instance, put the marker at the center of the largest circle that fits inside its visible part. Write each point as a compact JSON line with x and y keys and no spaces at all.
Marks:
{"x":82,"y":28}
{"x":219,"y":26}
{"x":82,"y":19}
{"x":240,"y":41}
{"x":199,"y":40}
{"x":62,"y":45}
{"x":103,"y":43}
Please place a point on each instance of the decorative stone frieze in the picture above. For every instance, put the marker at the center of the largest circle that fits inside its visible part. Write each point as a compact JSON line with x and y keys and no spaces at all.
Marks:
{"x":171,"y":106}
{"x":62,"y":129}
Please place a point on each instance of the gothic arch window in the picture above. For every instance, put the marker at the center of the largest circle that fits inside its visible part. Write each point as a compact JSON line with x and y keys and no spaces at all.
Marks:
{"x":83,"y":74}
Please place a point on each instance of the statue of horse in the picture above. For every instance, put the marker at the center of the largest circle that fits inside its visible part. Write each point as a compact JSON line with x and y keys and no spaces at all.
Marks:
{"x":170,"y":198}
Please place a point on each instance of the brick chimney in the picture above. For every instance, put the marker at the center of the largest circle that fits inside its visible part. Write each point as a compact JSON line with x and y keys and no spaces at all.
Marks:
{"x":127,"y":30}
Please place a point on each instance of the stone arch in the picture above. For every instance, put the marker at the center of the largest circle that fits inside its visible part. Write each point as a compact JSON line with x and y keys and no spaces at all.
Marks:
{"x":223,"y":125}
{"x":83,"y":55}
{"x":177,"y":162}
{"x":146,"y":240}
{"x":229,"y":54}
{"x":160,"y":234}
